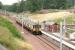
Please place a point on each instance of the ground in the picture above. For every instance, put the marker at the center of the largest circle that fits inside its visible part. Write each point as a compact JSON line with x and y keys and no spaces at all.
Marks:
{"x":11,"y":42}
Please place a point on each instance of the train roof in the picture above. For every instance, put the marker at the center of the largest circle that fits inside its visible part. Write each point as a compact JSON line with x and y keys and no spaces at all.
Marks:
{"x":27,"y":20}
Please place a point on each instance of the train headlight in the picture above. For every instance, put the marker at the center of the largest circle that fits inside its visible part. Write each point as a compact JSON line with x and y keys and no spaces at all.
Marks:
{"x":34,"y":30}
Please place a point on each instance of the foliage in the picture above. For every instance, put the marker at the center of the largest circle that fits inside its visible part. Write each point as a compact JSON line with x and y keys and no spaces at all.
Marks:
{"x":35,"y":5}
{"x":21,"y":6}
{"x":69,"y":19}
{"x":18,"y":7}
{"x":12,"y":43}
{"x":6,"y":38}
{"x":6,"y":23}
{"x":11,"y":38}
{"x":14,"y":7}
{"x":70,"y":31}
{"x":1,"y":5}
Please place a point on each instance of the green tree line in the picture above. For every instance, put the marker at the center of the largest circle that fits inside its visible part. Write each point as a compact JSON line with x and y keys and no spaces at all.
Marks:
{"x":35,"y":5}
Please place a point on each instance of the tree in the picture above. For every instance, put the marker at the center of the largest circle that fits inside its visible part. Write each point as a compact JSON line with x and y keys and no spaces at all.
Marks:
{"x":22,"y":6}
{"x":1,"y":5}
{"x":55,"y":4}
{"x":14,"y":7}
{"x":61,"y":3}
{"x":33,"y":5}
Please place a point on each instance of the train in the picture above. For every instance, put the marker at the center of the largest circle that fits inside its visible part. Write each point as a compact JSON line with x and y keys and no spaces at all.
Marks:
{"x":30,"y":25}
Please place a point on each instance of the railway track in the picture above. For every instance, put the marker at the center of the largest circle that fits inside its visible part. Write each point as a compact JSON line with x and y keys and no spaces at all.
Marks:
{"x":54,"y":42}
{"x":44,"y":42}
{"x":50,"y":40}
{"x":48,"y":43}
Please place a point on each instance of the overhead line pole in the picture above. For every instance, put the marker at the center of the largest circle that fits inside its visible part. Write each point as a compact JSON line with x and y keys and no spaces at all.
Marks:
{"x":22,"y":21}
{"x":61,"y":35}
{"x":20,"y":16}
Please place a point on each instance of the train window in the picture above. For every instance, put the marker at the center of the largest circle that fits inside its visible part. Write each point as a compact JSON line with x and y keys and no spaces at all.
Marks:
{"x":20,"y":18}
{"x":36,"y":26}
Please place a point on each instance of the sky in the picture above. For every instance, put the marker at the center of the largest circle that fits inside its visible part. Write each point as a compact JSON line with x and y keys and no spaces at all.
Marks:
{"x":8,"y":2}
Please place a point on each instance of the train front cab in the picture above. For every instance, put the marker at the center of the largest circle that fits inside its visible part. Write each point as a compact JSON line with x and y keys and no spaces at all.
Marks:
{"x":36,"y":30}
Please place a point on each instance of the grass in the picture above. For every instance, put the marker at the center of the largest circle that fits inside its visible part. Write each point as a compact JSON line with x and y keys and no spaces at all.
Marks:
{"x":48,"y":16}
{"x":7,"y":24}
{"x":69,"y":19}
{"x":12,"y":43}
{"x":6,"y":37}
{"x":11,"y":38}
{"x":70,"y":31}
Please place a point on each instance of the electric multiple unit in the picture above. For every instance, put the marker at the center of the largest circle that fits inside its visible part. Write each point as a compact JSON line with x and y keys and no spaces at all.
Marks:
{"x":30,"y":25}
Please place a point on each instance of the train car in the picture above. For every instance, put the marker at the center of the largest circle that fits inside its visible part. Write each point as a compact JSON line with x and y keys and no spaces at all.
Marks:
{"x":35,"y":28}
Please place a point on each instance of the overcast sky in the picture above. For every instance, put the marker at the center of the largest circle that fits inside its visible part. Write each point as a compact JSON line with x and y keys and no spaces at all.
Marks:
{"x":8,"y":2}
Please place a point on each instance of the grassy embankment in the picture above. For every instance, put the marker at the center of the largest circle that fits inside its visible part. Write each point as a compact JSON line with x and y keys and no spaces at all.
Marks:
{"x":69,"y":20}
{"x":10,"y":37}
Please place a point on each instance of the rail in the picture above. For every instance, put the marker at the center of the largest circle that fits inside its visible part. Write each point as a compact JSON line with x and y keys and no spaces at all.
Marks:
{"x":58,"y":39}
